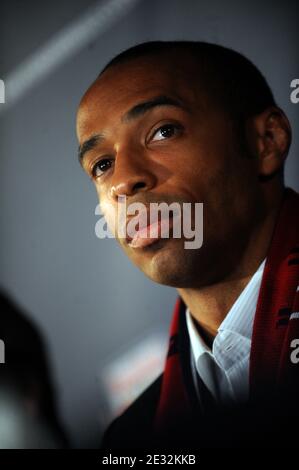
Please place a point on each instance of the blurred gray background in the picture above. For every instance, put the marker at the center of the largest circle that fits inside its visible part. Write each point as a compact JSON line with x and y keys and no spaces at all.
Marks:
{"x":88,"y":300}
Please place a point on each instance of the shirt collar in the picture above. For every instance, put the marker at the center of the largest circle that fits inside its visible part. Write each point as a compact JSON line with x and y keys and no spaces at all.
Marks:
{"x":241,"y":315}
{"x":238,"y":322}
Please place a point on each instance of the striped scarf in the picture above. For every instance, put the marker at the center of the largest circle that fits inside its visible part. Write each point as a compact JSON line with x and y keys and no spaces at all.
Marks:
{"x":276,"y":325}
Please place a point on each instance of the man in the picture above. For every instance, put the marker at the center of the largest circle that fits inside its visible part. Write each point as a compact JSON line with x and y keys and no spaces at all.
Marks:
{"x":192,"y":122}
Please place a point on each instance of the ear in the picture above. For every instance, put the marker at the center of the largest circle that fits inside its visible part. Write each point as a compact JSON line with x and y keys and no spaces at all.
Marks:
{"x":270,"y":138}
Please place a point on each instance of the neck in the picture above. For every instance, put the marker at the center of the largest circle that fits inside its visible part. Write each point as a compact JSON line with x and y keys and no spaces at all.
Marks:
{"x":210,"y":304}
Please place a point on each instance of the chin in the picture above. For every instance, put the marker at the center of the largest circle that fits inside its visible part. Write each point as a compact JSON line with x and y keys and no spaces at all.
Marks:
{"x":173,"y":266}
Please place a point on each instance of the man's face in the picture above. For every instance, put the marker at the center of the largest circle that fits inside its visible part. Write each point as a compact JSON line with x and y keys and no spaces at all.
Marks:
{"x":181,"y":147}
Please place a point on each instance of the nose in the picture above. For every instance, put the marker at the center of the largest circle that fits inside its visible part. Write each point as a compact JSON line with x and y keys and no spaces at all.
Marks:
{"x":132,"y":174}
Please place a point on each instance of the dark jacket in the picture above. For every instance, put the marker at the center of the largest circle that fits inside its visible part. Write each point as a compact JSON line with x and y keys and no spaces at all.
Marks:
{"x":258,"y":424}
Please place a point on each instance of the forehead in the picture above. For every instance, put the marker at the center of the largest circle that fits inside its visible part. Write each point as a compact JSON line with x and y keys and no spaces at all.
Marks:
{"x":124,"y":85}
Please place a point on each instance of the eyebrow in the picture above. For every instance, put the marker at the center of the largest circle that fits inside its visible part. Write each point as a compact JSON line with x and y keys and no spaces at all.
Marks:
{"x":140,"y":109}
{"x":135,"y":112}
{"x":88,"y":145}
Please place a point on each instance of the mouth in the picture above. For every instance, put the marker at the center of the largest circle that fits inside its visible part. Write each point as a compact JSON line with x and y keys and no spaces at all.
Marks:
{"x":151,"y":234}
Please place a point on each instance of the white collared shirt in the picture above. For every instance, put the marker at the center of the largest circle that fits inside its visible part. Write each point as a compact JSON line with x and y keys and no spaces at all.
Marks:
{"x":224,"y":369}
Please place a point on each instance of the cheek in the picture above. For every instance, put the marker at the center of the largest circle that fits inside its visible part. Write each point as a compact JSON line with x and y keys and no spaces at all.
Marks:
{"x":203,"y":156}
{"x":109,"y":211}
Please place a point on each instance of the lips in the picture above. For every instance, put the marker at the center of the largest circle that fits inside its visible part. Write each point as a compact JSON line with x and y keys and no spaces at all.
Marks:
{"x":150,"y":234}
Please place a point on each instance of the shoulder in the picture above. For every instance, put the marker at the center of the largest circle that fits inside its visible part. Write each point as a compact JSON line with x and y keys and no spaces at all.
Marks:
{"x":133,"y":427}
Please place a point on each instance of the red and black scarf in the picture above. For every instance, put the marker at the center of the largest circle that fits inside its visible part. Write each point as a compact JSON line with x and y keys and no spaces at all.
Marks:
{"x":275,"y":326}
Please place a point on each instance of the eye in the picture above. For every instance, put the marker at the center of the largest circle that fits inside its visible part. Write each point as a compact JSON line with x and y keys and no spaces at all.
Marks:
{"x":100,"y":167}
{"x":166,"y":131}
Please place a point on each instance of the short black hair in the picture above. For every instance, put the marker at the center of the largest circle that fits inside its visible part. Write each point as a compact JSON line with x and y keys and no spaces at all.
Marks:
{"x":228,"y":76}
